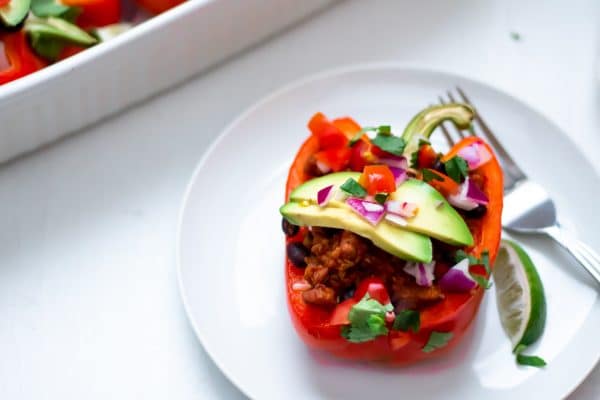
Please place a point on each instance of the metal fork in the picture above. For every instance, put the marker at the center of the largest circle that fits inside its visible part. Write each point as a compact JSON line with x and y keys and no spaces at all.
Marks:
{"x":528,"y":208}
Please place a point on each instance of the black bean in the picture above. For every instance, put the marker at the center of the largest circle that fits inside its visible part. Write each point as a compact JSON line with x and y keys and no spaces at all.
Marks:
{"x":348,"y":293}
{"x":288,"y":228}
{"x":297,"y":253}
{"x":477,"y":212}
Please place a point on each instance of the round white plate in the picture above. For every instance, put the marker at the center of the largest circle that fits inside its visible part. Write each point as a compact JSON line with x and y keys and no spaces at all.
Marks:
{"x":231,"y":249}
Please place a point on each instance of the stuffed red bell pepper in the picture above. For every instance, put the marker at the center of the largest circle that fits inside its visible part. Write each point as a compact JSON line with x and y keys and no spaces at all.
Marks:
{"x":389,"y":243}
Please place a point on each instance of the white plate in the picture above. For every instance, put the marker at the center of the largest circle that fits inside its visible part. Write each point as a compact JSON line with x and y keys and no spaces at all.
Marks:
{"x":231,"y":249}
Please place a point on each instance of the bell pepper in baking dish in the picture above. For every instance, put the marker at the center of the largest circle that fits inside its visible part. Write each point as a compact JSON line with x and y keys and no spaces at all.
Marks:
{"x":95,"y":13}
{"x":158,"y":6}
{"x":440,"y":325}
{"x":18,"y":59}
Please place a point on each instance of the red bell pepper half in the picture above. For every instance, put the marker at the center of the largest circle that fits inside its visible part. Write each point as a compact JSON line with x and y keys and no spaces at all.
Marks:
{"x":320,"y":328}
{"x":19,"y":59}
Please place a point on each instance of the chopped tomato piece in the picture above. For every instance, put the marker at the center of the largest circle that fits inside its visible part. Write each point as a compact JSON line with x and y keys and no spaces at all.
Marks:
{"x":426,"y":156}
{"x":443,"y":184}
{"x":341,"y":311}
{"x":329,"y":135}
{"x":347,"y":125}
{"x":378,"y":179}
{"x":336,"y":159}
{"x":19,"y":59}
{"x":375,"y":288}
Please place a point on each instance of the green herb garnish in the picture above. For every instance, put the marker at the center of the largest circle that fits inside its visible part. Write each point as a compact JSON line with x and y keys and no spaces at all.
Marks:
{"x":414,"y":157}
{"x":384,"y":129}
{"x":381,"y":197}
{"x":457,"y":168}
{"x":353,"y":188}
{"x":391,"y":144}
{"x":52,"y":8}
{"x":532,"y":361}
{"x":437,"y":340}
{"x":407,"y":319}
{"x":367,"y":320}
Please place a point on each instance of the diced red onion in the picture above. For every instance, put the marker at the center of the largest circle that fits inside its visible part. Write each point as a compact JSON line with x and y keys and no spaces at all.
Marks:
{"x":373,"y":207}
{"x":475,"y":155}
{"x":469,"y":196}
{"x":396,"y":219}
{"x":395,"y":161}
{"x":423,"y":272}
{"x":360,"y":207}
{"x":301,"y":286}
{"x":322,"y":167}
{"x":460,"y":199}
{"x":324,"y":195}
{"x":458,"y":278}
{"x":400,"y":175}
{"x":401,"y":208}
{"x":474,"y":193}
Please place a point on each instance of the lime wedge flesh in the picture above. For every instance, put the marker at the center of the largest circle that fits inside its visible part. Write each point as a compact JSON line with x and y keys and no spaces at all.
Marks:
{"x":519,"y":294}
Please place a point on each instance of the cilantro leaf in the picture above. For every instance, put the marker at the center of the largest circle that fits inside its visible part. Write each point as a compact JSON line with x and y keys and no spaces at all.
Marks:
{"x":482,"y":281}
{"x":532,"y":361}
{"x":388,"y":143}
{"x":457,"y":168}
{"x":367,"y":320}
{"x":385,"y":129}
{"x":429,"y":175}
{"x":381,"y":197}
{"x":356,"y":138}
{"x":52,"y":8}
{"x":353,"y":188}
{"x":437,"y":340}
{"x":407,"y":319}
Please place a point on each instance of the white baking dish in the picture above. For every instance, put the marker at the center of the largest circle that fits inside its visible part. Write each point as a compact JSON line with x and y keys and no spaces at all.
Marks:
{"x":159,"y":53}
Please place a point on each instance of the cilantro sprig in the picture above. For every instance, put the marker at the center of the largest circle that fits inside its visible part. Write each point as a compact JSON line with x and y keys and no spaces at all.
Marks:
{"x":531,"y":361}
{"x":437,"y":340}
{"x":457,"y":168}
{"x":407,"y":319}
{"x":482,"y":281}
{"x":353,"y":188}
{"x":429,"y":175}
{"x":367,"y":320}
{"x":381,"y":197}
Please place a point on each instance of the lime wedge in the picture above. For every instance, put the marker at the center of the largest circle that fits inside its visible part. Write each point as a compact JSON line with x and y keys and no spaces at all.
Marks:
{"x":519,"y":294}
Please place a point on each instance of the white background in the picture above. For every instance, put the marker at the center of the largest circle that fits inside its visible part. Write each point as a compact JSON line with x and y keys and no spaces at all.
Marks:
{"x":88,"y":292}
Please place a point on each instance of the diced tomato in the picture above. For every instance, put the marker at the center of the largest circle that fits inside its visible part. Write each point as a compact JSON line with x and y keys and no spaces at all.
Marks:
{"x":426,"y":156}
{"x":378,"y":179}
{"x":375,"y":288}
{"x":398,"y":339}
{"x":347,"y":125}
{"x":158,"y":6}
{"x":444,"y":184}
{"x":341,"y":311}
{"x":329,"y":135}
{"x":336,"y":159}
{"x":69,"y":51}
{"x":361,"y":155}
{"x":4,"y":2}
{"x":96,"y":13}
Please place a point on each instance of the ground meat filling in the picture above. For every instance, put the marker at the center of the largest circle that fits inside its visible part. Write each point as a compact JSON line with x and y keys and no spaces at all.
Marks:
{"x":339,"y":260}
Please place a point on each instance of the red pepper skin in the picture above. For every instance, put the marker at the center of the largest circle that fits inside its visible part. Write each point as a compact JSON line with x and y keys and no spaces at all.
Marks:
{"x":158,"y":6}
{"x":453,"y":314}
{"x":21,"y":58}
{"x":96,"y":13}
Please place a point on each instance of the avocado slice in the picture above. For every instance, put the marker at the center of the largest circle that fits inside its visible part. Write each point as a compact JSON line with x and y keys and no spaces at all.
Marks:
{"x":15,"y":12}
{"x":435,"y":218}
{"x":399,"y":242}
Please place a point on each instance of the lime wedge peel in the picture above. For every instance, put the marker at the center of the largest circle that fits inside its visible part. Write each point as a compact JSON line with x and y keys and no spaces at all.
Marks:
{"x":520,"y":295}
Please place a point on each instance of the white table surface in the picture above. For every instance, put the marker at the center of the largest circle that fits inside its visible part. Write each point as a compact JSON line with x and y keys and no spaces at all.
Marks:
{"x":88,"y":293}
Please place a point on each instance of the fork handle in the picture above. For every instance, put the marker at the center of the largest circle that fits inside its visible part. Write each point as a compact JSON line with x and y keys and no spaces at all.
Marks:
{"x":588,"y":258}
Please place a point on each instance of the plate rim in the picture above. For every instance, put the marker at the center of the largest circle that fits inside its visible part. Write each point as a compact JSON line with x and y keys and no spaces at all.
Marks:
{"x":288,"y":87}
